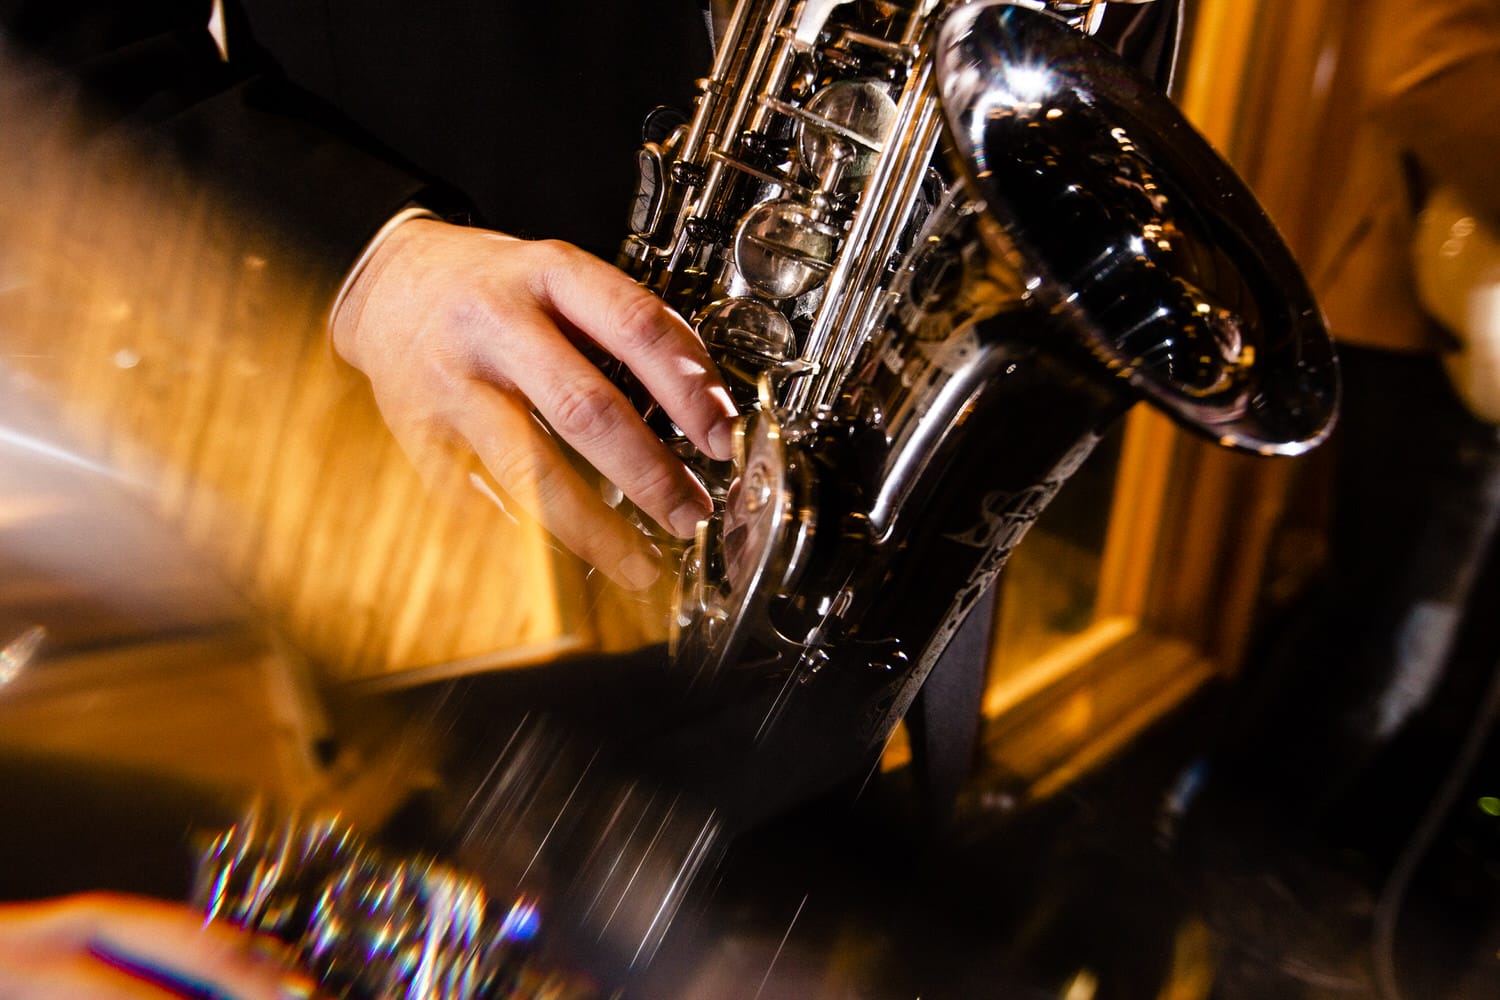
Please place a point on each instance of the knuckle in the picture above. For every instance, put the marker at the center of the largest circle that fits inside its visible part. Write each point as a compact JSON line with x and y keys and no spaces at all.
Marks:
{"x":534,"y":476}
{"x":553,"y":251}
{"x":454,"y":345}
{"x":466,"y":343}
{"x":518,"y":470}
{"x":468,"y":313}
{"x":642,"y":323}
{"x":653,"y":485}
{"x":586,"y":412}
{"x":550,"y":260}
{"x":539,"y":486}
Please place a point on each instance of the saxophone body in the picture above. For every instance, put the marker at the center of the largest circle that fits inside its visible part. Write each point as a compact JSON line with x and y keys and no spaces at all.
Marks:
{"x":936,"y":248}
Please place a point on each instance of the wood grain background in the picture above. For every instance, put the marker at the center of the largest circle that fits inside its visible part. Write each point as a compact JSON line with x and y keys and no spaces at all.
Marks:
{"x":178,"y":345}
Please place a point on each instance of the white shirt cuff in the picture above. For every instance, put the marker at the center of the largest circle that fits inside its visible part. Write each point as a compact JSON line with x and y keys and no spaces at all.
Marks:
{"x":381,"y":235}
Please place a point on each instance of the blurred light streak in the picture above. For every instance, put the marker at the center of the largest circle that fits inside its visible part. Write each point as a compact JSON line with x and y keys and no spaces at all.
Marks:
{"x":672,"y":897}
{"x":1083,"y":986}
{"x":780,"y":948}
{"x":19,"y":652}
{"x":522,"y":922}
{"x":45,"y":449}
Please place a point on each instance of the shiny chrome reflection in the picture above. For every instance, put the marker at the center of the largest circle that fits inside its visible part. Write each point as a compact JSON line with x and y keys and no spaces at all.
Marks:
{"x":370,"y":924}
{"x":543,"y":861}
{"x":1131,"y":228}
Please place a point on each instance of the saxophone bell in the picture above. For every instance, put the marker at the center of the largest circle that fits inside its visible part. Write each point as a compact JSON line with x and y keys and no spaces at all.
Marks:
{"x":1134,"y":231}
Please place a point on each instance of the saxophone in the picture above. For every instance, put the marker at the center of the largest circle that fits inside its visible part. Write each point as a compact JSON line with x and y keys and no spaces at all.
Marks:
{"x":936,"y":248}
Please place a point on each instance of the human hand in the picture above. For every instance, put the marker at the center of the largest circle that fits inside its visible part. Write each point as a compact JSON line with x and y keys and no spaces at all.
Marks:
{"x":463,"y":332}
{"x":112,"y":947}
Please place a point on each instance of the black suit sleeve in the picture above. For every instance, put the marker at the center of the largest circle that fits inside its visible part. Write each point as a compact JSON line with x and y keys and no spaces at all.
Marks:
{"x":141,"y":82}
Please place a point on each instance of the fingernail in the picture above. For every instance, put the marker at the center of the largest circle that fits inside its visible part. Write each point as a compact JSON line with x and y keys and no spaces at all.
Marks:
{"x":684,"y":520}
{"x":639,"y":571}
{"x":721,"y":439}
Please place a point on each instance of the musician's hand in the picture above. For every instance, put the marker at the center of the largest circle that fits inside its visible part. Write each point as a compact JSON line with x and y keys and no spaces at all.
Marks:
{"x":463,"y":332}
{"x":109,"y":947}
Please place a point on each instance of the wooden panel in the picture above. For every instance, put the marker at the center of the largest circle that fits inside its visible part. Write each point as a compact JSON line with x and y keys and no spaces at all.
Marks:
{"x":180,"y":348}
{"x":1136,"y":519}
{"x":1074,"y":718}
{"x":159,"y":708}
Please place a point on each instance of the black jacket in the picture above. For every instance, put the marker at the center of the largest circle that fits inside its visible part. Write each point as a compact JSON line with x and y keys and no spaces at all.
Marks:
{"x":329,"y":114}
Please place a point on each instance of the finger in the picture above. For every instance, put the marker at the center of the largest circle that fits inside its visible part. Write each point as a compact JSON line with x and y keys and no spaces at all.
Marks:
{"x":175,"y":947}
{"x":41,"y":976}
{"x":525,"y":462}
{"x":114,"y":972}
{"x":638,"y":328}
{"x":593,"y":416}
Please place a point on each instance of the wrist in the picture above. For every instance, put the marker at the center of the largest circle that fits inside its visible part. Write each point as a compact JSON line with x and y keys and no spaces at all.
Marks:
{"x":354,"y":293}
